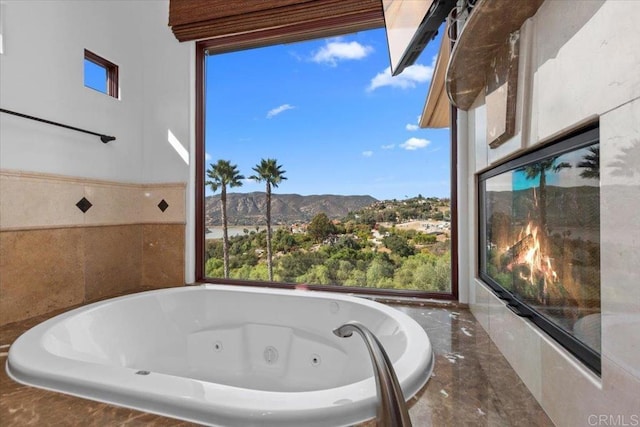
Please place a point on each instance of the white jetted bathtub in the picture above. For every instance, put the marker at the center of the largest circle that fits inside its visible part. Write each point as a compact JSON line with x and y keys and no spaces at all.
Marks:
{"x":222,"y":355}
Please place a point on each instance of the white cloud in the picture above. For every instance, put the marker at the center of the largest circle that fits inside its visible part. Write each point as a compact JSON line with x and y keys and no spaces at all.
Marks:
{"x":274,"y":112}
{"x":367,"y":153}
{"x":414,"y":143}
{"x":337,"y":50}
{"x":413,"y":126}
{"x":388,"y":147}
{"x":207,"y":156}
{"x":408,"y":79}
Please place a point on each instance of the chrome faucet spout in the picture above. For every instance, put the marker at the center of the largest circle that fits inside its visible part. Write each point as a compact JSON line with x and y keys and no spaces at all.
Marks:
{"x":392,"y":409}
{"x":343,"y":331}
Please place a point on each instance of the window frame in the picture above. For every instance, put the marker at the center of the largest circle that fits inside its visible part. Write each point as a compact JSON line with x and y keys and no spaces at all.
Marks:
{"x":111,"y":71}
{"x":236,"y":43}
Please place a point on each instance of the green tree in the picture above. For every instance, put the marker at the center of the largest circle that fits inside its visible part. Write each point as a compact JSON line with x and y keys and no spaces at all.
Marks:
{"x":356,"y":278}
{"x":347,"y":242}
{"x":423,"y":238}
{"x":317,"y":275}
{"x":296,"y":264}
{"x":270,"y":172}
{"x":284,"y":241}
{"x":379,"y":274}
{"x":222,"y":175}
{"x":398,"y":245}
{"x":320,"y":227}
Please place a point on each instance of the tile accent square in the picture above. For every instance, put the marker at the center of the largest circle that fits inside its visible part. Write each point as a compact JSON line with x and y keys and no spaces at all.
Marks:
{"x":84,"y":205}
{"x":163,"y":205}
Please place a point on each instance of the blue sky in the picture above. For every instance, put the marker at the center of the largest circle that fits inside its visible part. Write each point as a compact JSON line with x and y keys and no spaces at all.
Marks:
{"x":331,"y":114}
{"x":95,"y":76}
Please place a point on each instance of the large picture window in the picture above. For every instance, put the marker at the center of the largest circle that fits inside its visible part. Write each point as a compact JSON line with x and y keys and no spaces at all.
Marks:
{"x":315,"y":173}
{"x":540,"y":240}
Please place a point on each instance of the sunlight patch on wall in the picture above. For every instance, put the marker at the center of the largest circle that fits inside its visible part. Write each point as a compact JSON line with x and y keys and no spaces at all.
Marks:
{"x":182,"y":152}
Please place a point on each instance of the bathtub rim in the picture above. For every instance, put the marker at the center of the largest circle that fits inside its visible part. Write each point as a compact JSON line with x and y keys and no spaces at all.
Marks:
{"x":120,"y":387}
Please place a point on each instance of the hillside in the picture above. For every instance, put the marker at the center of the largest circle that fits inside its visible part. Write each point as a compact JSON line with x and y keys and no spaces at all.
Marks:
{"x":250,"y":208}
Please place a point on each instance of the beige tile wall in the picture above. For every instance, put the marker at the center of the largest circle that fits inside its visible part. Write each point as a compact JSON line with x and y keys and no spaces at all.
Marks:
{"x":33,"y":200}
{"x":54,"y":256}
{"x":112,"y":260}
{"x":40,"y":271}
{"x":158,"y":247}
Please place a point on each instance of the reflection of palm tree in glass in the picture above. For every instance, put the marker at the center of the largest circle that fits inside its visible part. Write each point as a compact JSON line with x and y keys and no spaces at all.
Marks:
{"x":591,"y":163}
{"x":268,"y":170}
{"x":627,"y":162}
{"x":221,"y":175}
{"x":541,"y":169}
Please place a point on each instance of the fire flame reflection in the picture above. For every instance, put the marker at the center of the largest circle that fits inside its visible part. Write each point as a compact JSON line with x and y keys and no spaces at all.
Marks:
{"x":528,"y":251}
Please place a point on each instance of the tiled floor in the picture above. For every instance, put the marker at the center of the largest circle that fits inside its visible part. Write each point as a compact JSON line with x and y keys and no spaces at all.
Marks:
{"x":472,"y":385}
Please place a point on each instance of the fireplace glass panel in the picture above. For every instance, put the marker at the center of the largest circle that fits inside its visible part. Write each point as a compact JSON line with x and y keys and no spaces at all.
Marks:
{"x":540,"y":242}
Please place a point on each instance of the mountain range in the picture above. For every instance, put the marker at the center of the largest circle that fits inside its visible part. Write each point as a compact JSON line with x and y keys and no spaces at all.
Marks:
{"x":250,"y":208}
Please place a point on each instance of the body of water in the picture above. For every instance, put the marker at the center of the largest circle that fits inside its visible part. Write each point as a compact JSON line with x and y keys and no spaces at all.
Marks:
{"x":235,"y":230}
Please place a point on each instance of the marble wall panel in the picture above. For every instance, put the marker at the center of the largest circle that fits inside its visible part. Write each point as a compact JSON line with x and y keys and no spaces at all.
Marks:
{"x":592,"y":40}
{"x":40,"y":271}
{"x":112,"y":204}
{"x":568,"y":389}
{"x":584,"y":69}
{"x":163,"y":255}
{"x":30,"y":201}
{"x":172,"y":194}
{"x":478,"y":132}
{"x":33,"y":200}
{"x":620,"y":235}
{"x":113,"y":260}
{"x":519,"y":342}
{"x":55,"y":256}
{"x":479,"y":303}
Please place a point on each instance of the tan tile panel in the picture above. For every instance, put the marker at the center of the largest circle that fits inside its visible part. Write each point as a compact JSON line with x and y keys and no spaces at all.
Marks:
{"x":112,"y":204}
{"x":173,"y":194}
{"x":32,"y":201}
{"x":163,"y":255}
{"x":40,"y":271}
{"x":112,"y":260}
{"x":36,"y":201}
{"x":47,"y":269}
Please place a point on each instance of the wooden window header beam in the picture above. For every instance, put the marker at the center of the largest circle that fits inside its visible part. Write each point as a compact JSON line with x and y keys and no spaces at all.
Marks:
{"x":233,"y":25}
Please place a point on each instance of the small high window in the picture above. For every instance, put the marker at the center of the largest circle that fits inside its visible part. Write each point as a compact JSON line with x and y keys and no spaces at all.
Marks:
{"x":100,"y":74}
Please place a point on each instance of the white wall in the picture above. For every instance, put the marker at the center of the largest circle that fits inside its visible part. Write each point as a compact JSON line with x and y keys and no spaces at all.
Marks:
{"x":584,"y":63}
{"x":41,"y":74}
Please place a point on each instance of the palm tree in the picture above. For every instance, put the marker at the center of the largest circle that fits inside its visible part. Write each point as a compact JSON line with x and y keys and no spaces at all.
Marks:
{"x":542,"y":168}
{"x":591,"y":164}
{"x":221,"y":175}
{"x":269,"y":171}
